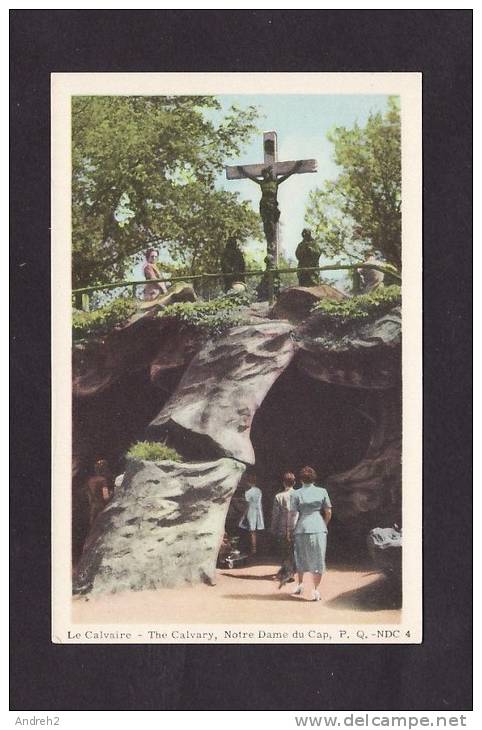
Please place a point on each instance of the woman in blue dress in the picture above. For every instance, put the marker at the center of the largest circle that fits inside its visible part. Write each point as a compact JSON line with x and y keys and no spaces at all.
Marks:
{"x":314,"y":513}
{"x":252,"y":519}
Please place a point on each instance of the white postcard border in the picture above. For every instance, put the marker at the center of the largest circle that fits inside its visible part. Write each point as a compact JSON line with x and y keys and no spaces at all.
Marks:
{"x":406,"y":85}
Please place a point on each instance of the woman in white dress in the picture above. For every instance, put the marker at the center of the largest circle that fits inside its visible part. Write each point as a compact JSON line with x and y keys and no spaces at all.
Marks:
{"x":252,"y":519}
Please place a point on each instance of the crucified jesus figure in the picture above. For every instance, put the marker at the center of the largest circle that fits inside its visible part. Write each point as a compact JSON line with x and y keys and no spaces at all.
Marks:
{"x":269,"y":182}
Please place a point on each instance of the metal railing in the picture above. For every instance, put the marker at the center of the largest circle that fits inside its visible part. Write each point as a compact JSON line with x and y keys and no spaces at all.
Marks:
{"x":82,"y":295}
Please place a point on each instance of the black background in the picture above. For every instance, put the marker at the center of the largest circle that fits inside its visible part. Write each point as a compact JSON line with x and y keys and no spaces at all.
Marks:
{"x":433,"y":676}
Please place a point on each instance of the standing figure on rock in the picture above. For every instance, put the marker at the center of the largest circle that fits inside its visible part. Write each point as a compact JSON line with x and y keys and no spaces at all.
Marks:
{"x":308,"y":254}
{"x":99,"y":489}
{"x":151,"y":271}
{"x":232,"y":264}
{"x":252,"y":519}
{"x":283,"y":521}
{"x":370,"y":279}
{"x":314,"y":513}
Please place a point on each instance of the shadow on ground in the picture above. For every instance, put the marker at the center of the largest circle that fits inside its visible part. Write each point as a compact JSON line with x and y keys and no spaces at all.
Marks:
{"x":245,"y":576}
{"x":380,"y":595}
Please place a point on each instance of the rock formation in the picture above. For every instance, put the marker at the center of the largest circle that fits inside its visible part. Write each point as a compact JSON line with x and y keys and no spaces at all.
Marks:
{"x":163,"y":526}
{"x":213,"y":407}
{"x":363,"y":356}
{"x":367,"y":357}
{"x":295,"y":304}
{"x":166,"y":522}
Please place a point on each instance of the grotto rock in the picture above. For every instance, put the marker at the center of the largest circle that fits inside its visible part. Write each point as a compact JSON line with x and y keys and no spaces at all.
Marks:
{"x":295,"y":304}
{"x":159,"y":344}
{"x":371,"y":489}
{"x":363,"y":356}
{"x":162,"y":528}
{"x":161,"y":380}
{"x":220,"y":392}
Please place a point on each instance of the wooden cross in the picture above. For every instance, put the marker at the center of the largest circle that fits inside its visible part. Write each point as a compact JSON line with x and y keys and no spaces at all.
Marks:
{"x":270,"y":149}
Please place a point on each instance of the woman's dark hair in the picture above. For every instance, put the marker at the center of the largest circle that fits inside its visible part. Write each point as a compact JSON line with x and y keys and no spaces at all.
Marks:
{"x":307,"y":475}
{"x":289,"y":478}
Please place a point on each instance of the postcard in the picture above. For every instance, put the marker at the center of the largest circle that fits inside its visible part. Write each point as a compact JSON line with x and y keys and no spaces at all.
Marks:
{"x":237,"y":358}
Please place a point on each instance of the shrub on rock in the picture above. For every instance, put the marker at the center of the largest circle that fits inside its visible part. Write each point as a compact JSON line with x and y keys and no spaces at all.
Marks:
{"x":152,"y":451}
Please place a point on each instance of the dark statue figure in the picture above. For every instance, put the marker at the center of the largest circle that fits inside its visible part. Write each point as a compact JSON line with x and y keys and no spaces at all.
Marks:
{"x":308,"y":254}
{"x":269,"y":183}
{"x":233,"y":264}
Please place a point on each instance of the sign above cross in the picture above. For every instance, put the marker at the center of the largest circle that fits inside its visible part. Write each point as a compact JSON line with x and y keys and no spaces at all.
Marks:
{"x":270,"y":149}
{"x":269,"y":175}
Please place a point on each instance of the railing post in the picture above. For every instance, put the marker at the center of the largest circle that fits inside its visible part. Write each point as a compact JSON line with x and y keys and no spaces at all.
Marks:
{"x":85,"y":302}
{"x":270,"y":284}
{"x":134,"y":291}
{"x":276,"y":283}
{"x":356,"y":281}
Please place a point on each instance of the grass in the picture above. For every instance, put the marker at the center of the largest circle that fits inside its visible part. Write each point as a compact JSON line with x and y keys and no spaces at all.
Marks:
{"x":152,"y":451}
{"x":102,"y":321}
{"x":214,"y":316}
{"x":359,"y":308}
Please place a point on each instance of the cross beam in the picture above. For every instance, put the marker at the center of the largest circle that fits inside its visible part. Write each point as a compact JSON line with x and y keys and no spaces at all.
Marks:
{"x":280,"y":168}
{"x":270,"y":149}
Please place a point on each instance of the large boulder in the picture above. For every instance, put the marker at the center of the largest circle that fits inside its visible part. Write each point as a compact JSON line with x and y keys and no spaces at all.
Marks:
{"x":163,"y":527}
{"x":295,"y":304}
{"x":215,"y":402}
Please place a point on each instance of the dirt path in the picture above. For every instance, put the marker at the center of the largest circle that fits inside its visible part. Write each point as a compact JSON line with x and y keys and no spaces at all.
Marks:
{"x":250,"y":595}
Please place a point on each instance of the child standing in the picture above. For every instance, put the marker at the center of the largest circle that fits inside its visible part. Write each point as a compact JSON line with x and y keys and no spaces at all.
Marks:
{"x":252,"y":519}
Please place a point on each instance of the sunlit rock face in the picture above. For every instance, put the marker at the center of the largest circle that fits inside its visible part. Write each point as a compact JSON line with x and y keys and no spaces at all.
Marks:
{"x":220,"y":392}
{"x":163,"y":527}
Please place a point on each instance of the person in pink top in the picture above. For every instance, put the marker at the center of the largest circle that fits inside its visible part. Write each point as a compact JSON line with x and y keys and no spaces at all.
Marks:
{"x":151,"y":271}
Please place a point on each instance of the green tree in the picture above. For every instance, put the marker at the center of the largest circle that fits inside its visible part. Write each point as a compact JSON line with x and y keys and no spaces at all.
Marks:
{"x":143,"y":174}
{"x":361,"y":209}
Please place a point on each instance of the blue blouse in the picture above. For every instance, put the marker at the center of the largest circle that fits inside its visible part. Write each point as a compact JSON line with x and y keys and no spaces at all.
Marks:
{"x":308,"y":502}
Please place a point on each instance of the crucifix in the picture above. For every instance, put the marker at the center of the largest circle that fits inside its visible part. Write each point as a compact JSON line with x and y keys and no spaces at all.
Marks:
{"x":269,"y":175}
